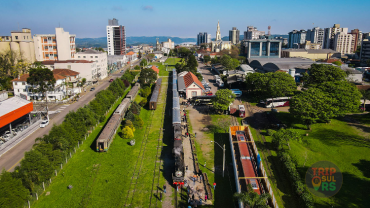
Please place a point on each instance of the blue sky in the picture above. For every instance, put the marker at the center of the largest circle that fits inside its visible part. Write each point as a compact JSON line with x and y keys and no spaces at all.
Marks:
{"x":180,"y":18}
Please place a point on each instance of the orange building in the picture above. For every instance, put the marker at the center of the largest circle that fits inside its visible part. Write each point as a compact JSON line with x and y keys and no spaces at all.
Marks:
{"x":13,"y":109}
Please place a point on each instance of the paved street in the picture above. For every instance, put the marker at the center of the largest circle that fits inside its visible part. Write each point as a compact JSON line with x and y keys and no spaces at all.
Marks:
{"x":208,"y":76}
{"x":11,"y":159}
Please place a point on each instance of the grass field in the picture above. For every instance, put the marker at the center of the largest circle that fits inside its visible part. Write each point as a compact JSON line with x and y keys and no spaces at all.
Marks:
{"x":162,"y":67}
{"x":225,"y":188}
{"x":338,"y":142}
{"x":125,"y":175}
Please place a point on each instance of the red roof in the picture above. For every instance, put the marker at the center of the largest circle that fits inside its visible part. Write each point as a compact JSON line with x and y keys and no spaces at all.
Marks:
{"x":24,"y":77}
{"x":65,"y":72}
{"x":130,"y":53}
{"x":66,"y":61}
{"x":155,"y":69}
{"x":190,"y":78}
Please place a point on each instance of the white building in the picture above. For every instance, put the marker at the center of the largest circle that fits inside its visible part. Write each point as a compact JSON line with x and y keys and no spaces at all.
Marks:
{"x":342,"y":43}
{"x":329,"y":35}
{"x":252,"y":33}
{"x":99,"y":57}
{"x":87,"y":69}
{"x":219,"y":45}
{"x":116,"y":38}
{"x":58,"y":46}
{"x":169,"y":44}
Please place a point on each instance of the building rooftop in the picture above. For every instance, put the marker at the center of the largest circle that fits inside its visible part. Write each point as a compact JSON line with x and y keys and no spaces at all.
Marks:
{"x":12,"y":104}
{"x":190,"y":78}
{"x":90,"y":51}
{"x":66,"y":61}
{"x":65,"y":72}
{"x":155,"y":69}
{"x":274,"y":64}
{"x":324,"y":51}
{"x":24,"y":77}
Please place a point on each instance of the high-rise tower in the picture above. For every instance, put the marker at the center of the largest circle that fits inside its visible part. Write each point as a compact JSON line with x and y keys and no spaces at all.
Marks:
{"x":116,"y":38}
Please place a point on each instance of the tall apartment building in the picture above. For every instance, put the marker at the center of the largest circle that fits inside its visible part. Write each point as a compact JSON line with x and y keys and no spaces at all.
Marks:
{"x":315,"y":35}
{"x":234,"y":36}
{"x":365,"y":50}
{"x":99,"y":57}
{"x":252,"y":33}
{"x":116,"y":38}
{"x":203,"y":38}
{"x":58,"y":46}
{"x":342,"y":42}
{"x":20,"y":42}
{"x":329,"y":35}
{"x":356,"y":39}
{"x":296,"y":38}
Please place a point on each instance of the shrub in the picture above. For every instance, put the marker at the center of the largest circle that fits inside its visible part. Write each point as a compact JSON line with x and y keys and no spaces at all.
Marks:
{"x":145,"y":91}
{"x":129,"y":124}
{"x":127,"y":133}
{"x":143,"y":102}
{"x":138,"y":122}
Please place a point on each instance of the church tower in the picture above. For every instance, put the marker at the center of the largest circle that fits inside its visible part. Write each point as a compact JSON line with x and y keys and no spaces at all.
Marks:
{"x":218,"y":33}
{"x":158,"y":45}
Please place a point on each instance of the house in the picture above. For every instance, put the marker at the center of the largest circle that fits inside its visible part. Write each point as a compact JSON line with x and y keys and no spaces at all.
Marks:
{"x":189,"y":85}
{"x":155,"y":69}
{"x":71,"y":76}
{"x":163,"y":59}
{"x":131,"y":56}
{"x":24,"y":90}
{"x":158,"y":54}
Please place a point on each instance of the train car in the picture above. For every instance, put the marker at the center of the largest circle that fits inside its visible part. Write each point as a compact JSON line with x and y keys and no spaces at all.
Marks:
{"x":133,"y":92}
{"x":155,"y":95}
{"x":241,"y":111}
{"x":106,"y":136}
{"x":122,"y":108}
{"x":248,"y":163}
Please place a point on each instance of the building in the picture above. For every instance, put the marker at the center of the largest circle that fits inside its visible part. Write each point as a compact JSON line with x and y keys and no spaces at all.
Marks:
{"x":315,"y":35}
{"x":131,"y":56}
{"x":356,"y":39}
{"x":262,"y":48}
{"x":313,"y":54}
{"x":252,"y":33}
{"x":13,"y":109}
{"x":87,"y":69}
{"x":169,"y":44}
{"x":265,"y":65}
{"x":309,"y":45}
{"x":59,"y":46}
{"x":21,"y":43}
{"x":155,"y":68}
{"x":189,"y":85}
{"x":329,"y":35}
{"x":158,"y":54}
{"x":296,"y":38}
{"x":284,"y":40}
{"x":99,"y":57}
{"x":116,"y":62}
{"x":219,"y":45}
{"x":116,"y":38}
{"x":203,"y":38}
{"x":234,"y":36}
{"x":342,"y":43}
{"x":365,"y":50}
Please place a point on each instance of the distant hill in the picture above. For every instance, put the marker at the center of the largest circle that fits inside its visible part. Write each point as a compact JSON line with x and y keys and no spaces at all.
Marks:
{"x":134,"y":40}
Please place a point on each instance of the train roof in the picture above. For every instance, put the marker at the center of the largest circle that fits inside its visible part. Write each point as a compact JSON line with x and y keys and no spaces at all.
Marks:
{"x":104,"y":135}
{"x":156,"y":90}
{"x":133,"y":90}
{"x":176,"y":102}
{"x":175,"y":94}
{"x":176,"y":116}
{"x":122,"y":106}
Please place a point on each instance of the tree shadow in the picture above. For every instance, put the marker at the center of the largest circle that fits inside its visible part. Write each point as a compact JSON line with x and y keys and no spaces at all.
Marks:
{"x":364,"y":167}
{"x":336,"y":138}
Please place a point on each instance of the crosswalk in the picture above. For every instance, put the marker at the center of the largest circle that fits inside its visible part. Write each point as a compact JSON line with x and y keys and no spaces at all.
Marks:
{"x":60,"y":109}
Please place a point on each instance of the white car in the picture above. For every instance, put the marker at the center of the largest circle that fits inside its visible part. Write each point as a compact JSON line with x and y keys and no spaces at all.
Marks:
{"x":44,"y":123}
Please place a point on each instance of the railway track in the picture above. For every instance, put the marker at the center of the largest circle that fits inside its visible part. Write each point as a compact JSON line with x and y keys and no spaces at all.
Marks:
{"x":234,"y":121}
{"x":140,"y":159}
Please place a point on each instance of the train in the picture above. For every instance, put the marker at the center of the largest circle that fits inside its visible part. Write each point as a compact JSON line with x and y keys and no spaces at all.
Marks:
{"x":155,"y":95}
{"x":177,"y":151}
{"x":106,"y":136}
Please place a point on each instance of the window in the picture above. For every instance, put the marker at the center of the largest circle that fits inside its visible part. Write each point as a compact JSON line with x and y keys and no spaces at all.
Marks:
{"x":46,"y":55}
{"x":45,"y":47}
{"x":79,"y":56}
{"x":51,"y":55}
{"x":24,"y":90}
{"x":69,"y":66}
{"x":45,"y":40}
{"x":15,"y":83}
{"x":194,"y":93}
{"x":24,"y":37}
{"x":49,"y":38}
{"x":56,"y":55}
{"x":84,"y":56}
{"x":50,"y":47}
{"x":91,"y":56}
{"x":96,"y":56}
{"x":16,"y":37}
{"x":18,"y":90}
{"x":54,"y":47}
{"x":23,"y":83}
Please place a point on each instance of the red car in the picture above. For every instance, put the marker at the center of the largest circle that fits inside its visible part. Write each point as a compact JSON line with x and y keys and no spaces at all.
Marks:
{"x":111,"y":80}
{"x":209,"y":93}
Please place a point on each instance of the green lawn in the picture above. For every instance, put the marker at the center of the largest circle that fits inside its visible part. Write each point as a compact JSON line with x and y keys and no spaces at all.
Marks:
{"x":125,"y":175}
{"x":223,"y":195}
{"x":337,"y":142}
{"x":162,"y":67}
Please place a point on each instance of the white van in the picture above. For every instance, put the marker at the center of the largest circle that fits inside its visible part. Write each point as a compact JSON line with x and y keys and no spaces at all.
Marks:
{"x":217,"y":77}
{"x":220,"y":83}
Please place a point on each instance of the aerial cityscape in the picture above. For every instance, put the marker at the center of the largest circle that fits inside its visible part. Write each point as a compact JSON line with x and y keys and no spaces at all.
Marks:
{"x":168,"y":104}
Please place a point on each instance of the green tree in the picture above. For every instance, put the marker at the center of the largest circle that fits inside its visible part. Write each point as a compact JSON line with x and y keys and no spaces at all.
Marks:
{"x":139,"y":55}
{"x":12,"y":192}
{"x":280,"y":84}
{"x":226,"y":61}
{"x":137,"y":67}
{"x":150,"y":57}
{"x":215,"y":60}
{"x":42,"y":80}
{"x":143,"y":63}
{"x":338,"y":63}
{"x":282,"y":138}
{"x":127,"y":133}
{"x":206,"y":59}
{"x":129,"y":124}
{"x":145,"y":91}
{"x":147,"y":77}
{"x":252,"y":199}
{"x":138,"y":122}
{"x":242,"y":59}
{"x":365,"y":96}
{"x":320,"y":73}
{"x":223,"y":99}
{"x":312,"y":105}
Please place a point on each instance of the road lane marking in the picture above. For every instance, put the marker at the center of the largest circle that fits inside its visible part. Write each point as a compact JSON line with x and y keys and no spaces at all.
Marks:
{"x":15,"y":164}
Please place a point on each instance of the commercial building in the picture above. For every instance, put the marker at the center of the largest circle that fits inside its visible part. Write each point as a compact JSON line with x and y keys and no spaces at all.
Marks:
{"x":99,"y":57}
{"x":262,"y":48}
{"x":87,"y":69}
{"x":284,"y":40}
{"x":234,"y":36}
{"x":252,"y":33}
{"x":315,"y":35}
{"x":296,"y":38}
{"x":169,"y":44}
{"x":312,"y":54}
{"x":329,"y":35}
{"x":289,"y":65}
{"x":59,"y":46}
{"x":342,"y":43}
{"x":116,"y":38}
{"x":21,"y":43}
{"x":365,"y":50}
{"x":203,"y":38}
{"x":13,"y":109}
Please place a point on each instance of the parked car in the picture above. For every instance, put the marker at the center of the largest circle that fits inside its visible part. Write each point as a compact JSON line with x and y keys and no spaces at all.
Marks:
{"x":237,"y":92}
{"x":121,"y":71}
{"x":220,"y":83}
{"x":209,"y":93}
{"x":44,"y":123}
{"x":92,"y":89}
{"x":111,"y":80}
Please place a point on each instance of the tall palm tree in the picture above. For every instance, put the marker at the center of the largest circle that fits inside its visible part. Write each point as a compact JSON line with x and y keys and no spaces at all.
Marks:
{"x":252,"y":200}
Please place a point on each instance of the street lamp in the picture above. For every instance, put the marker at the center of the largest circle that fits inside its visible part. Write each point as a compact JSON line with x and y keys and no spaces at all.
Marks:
{"x":223,"y":167}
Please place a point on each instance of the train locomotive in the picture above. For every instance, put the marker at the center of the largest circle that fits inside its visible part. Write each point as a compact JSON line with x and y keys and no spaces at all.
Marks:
{"x":106,"y":136}
{"x":178,"y":151}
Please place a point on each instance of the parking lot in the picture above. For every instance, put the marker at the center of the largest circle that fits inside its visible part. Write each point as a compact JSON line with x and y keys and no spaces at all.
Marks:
{"x":208,"y":76}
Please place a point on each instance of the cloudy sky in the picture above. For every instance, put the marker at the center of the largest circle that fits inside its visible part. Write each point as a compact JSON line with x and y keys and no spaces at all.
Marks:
{"x":179,"y":18}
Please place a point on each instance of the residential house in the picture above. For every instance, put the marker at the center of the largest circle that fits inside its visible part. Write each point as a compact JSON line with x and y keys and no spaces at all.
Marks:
{"x":131,"y":56}
{"x":189,"y":85}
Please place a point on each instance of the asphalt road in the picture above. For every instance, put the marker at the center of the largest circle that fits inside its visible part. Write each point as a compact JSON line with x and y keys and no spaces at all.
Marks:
{"x":208,"y":76}
{"x":11,"y":159}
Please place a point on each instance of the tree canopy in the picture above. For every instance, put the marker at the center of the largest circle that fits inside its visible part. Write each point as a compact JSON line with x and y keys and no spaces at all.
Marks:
{"x":252,"y":199}
{"x":320,"y":73}
{"x":143,"y":63}
{"x":223,"y":99}
{"x":206,"y":59}
{"x":282,"y":137}
{"x":147,"y":77}
{"x":12,"y":192}
{"x":42,"y":79}
{"x":127,"y":133}
{"x":228,"y":62}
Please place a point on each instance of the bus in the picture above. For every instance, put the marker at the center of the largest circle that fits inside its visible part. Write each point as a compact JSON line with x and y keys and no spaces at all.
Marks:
{"x":241,"y":111}
{"x":275,"y":102}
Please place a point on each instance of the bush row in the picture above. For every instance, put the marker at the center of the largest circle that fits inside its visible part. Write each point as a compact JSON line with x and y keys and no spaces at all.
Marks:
{"x":305,"y":197}
{"x":51,"y":150}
